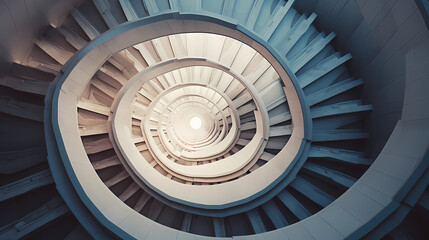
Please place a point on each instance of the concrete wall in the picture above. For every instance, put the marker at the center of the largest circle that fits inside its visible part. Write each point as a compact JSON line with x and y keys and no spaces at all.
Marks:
{"x":379,"y":34}
{"x":21,"y":21}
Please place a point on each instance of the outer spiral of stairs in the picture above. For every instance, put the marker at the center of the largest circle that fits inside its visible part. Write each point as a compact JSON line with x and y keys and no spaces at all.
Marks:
{"x":208,"y":119}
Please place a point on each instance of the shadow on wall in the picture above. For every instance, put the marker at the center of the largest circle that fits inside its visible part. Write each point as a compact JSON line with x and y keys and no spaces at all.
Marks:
{"x":378,"y":34}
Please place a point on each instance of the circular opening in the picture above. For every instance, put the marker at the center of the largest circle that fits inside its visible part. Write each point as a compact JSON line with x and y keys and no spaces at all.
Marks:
{"x":195,"y":123}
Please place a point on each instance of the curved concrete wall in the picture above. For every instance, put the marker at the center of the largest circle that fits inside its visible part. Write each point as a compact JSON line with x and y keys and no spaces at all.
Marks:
{"x":24,"y":21}
{"x":378,"y":34}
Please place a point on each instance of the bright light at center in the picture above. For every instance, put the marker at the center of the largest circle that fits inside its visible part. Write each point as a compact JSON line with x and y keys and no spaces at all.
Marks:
{"x":195,"y":123}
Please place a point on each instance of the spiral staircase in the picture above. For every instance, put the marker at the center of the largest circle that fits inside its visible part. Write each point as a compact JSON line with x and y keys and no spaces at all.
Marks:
{"x":198,"y":119}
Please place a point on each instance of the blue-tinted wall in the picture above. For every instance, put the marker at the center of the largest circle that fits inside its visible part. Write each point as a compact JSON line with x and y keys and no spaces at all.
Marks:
{"x":379,"y":34}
